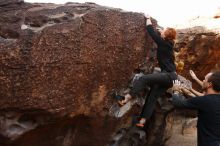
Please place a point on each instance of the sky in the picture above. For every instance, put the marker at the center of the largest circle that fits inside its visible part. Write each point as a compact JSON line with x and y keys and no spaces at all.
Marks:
{"x":168,"y":13}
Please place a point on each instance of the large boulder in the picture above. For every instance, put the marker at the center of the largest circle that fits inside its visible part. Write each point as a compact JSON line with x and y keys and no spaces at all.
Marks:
{"x":64,"y":61}
{"x":67,"y":58}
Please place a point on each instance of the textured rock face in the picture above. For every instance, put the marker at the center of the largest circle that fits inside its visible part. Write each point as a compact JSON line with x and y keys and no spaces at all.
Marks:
{"x":65,"y":59}
{"x":10,"y":2}
{"x":180,"y":130}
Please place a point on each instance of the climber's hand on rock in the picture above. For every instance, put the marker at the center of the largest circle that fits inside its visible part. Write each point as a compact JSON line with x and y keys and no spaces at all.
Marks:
{"x":176,"y":85}
{"x":147,"y":16}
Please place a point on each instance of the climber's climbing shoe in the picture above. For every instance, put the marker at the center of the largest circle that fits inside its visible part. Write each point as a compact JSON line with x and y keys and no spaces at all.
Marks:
{"x":139,"y":125}
{"x":119,"y":99}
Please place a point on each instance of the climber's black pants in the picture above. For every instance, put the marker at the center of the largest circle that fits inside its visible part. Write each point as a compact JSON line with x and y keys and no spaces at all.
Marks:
{"x":150,"y":102}
{"x":159,"y":83}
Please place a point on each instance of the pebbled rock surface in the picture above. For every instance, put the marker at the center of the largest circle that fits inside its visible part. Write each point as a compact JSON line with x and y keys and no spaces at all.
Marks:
{"x":66,"y":59}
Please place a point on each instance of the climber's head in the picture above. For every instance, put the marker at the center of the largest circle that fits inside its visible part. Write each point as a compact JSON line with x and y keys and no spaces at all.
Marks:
{"x":169,"y":34}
